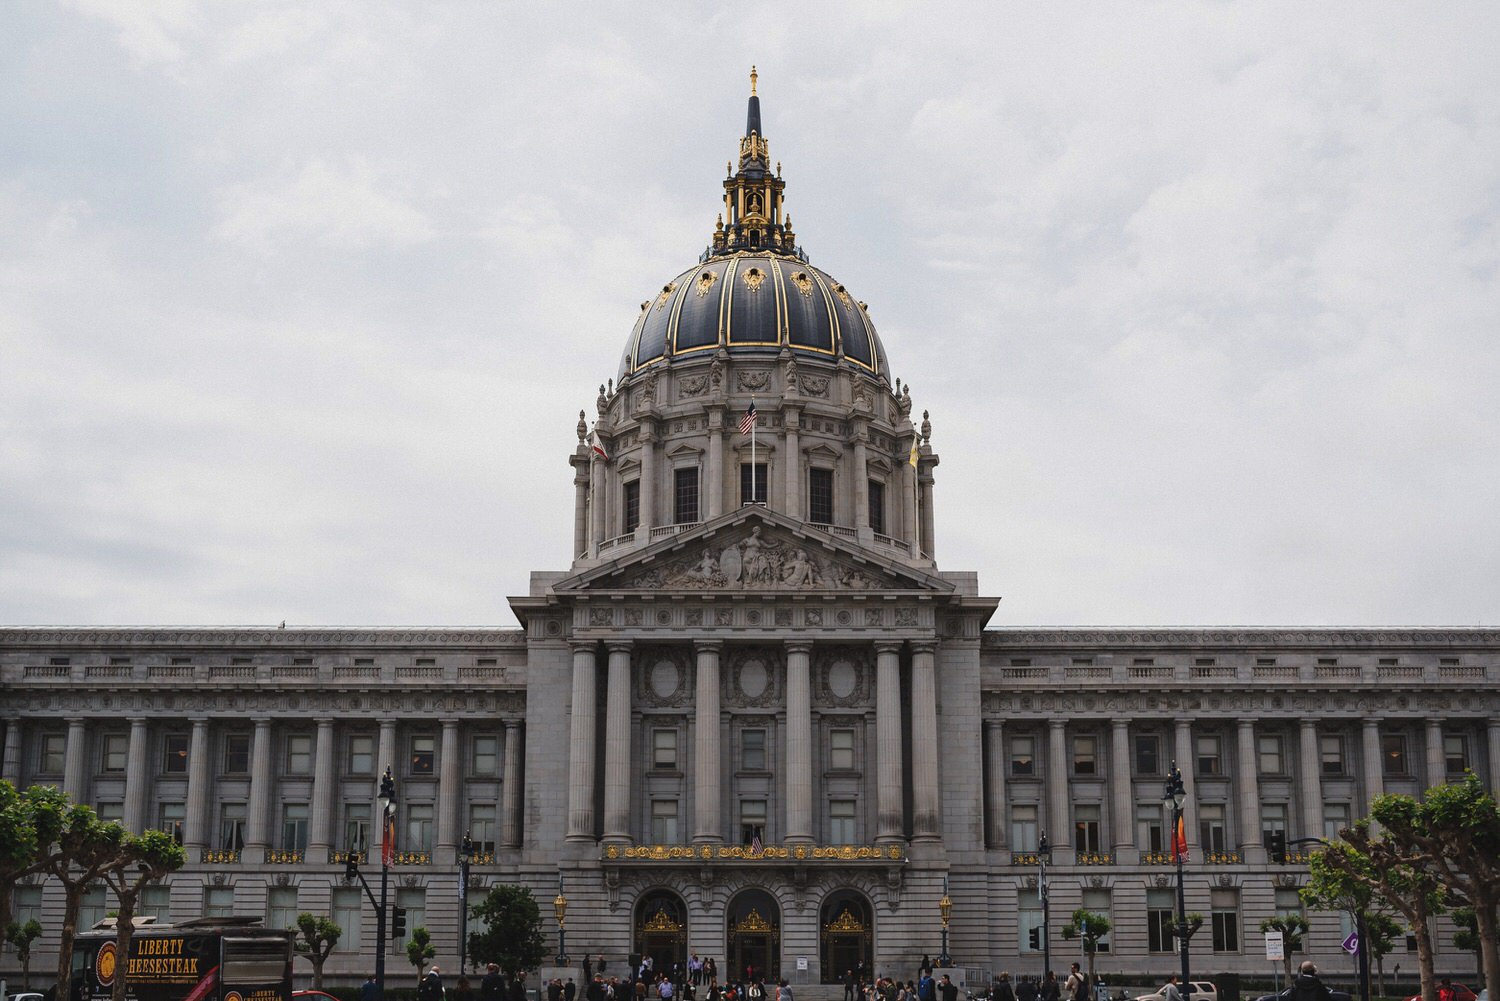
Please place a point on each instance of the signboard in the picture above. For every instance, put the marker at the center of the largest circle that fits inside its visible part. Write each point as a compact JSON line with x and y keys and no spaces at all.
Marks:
{"x":802,"y":962}
{"x":1351,"y":944}
{"x":1275,"y":946}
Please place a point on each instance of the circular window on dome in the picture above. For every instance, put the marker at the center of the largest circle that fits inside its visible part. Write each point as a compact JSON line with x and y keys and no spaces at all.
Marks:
{"x":705,"y":282}
{"x":843,"y":294}
{"x":803,"y":282}
{"x":754,"y":278}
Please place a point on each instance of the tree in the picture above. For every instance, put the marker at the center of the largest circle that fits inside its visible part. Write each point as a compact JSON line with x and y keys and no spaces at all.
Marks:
{"x":1381,"y":932}
{"x":141,"y":859}
{"x":318,"y":936}
{"x":85,"y":847}
{"x":29,"y":823}
{"x":1090,"y":926}
{"x":1292,"y":928}
{"x":420,"y":950}
{"x":512,"y":935}
{"x":1467,"y":936}
{"x":21,"y":936}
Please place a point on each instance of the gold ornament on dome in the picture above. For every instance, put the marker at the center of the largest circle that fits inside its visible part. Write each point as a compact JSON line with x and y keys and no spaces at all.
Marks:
{"x":666,"y":293}
{"x":661,"y":921}
{"x":803,"y":283}
{"x":706,"y":282}
{"x":753,"y":922}
{"x":843,"y":294}
{"x":754,"y":279}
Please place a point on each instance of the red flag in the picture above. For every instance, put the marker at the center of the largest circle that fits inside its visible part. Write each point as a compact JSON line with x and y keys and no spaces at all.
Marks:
{"x":598,"y":446}
{"x":1179,"y":841}
{"x":388,"y":838}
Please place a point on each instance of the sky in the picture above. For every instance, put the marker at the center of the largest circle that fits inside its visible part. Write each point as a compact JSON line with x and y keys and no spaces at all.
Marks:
{"x":299,"y":302}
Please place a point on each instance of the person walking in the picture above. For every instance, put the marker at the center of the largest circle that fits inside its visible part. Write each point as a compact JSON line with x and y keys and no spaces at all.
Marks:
{"x":369,"y":990}
{"x":1051,"y":989}
{"x":430,"y":988}
{"x":1307,"y":986}
{"x":947,"y":989}
{"x":1003,"y":991}
{"x":1076,"y":987}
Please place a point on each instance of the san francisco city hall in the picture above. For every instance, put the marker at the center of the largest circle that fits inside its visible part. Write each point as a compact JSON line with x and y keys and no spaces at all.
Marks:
{"x":753,"y":719}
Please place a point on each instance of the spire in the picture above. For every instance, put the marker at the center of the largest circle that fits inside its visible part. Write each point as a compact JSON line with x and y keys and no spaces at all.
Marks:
{"x":752,"y":217}
{"x":752,"y":114}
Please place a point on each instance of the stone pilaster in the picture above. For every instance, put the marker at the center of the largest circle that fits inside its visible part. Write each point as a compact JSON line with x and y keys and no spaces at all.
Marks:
{"x":450,"y":791}
{"x":1121,"y":798}
{"x":713,"y":490}
{"x":1248,"y":783}
{"x":926,"y":814}
{"x":792,"y":463}
{"x":581,"y":746}
{"x":890,"y":820}
{"x":1059,"y":823}
{"x":385,"y":757}
{"x":909,"y":498}
{"x":598,"y":505}
{"x":924,"y":510}
{"x":1371,"y":767}
{"x":799,"y":826}
{"x":137,"y":776}
{"x":75,"y":761}
{"x":706,"y":782}
{"x":1437,"y":760}
{"x":1492,"y":731}
{"x":1183,"y":748}
{"x":510,"y":821}
{"x":617,"y":745}
{"x":197,"y":829}
{"x":325,"y":782}
{"x":258,"y":825}
{"x":646,"y":434}
{"x":1311,"y":784}
{"x":994,"y":770}
{"x":11,"y":772}
{"x":861,"y":482}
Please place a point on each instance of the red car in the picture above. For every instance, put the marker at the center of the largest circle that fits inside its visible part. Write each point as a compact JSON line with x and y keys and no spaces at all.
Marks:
{"x":313,"y":996}
{"x":1460,"y":993}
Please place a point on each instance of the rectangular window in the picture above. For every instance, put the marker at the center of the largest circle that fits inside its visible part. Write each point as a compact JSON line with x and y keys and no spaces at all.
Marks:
{"x":1150,"y":835}
{"x":486,"y":757}
{"x":1160,"y":906}
{"x":281,"y":907}
{"x":299,"y":754}
{"x":115,"y":748}
{"x":294,"y":827}
{"x":877,"y":507}
{"x":357,"y":826}
{"x":1335,"y":819}
{"x":170,"y":817}
{"x":347,"y":914}
{"x":412,"y":900}
{"x":630,"y":518}
{"x":1289,"y":901}
{"x":53,"y":753}
{"x":1023,"y":756}
{"x":361,"y":759}
{"x":1331,"y":751}
{"x":1272,"y":758}
{"x":418,"y":829}
{"x":752,"y":820}
{"x":1086,"y":828}
{"x":841,"y":822}
{"x":753,"y":750}
{"x":174,"y":753}
{"x":423,"y":755}
{"x":820,"y":496}
{"x":663,"y":748}
{"x":236,"y":753}
{"x":1211,"y":833}
{"x":482,"y":828}
{"x":664,"y":821}
{"x":1023,"y":828}
{"x":156,"y":902}
{"x":26,"y":905}
{"x":1085,"y":756}
{"x":232,"y":827}
{"x":1029,"y":925}
{"x":752,"y":474}
{"x":95,"y":907}
{"x":1225,"y":916}
{"x":841,"y":750}
{"x":1147,"y":754}
{"x":218,"y":901}
{"x":1456,"y":753}
{"x":1098,"y":902}
{"x":111,"y":813}
{"x":1393,"y":753}
{"x":1209,"y":760}
{"x":1272,"y":822}
{"x":685,"y":496}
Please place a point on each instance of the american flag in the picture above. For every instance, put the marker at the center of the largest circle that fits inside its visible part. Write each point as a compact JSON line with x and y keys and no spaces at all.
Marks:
{"x":747,"y":422}
{"x":755,"y":846}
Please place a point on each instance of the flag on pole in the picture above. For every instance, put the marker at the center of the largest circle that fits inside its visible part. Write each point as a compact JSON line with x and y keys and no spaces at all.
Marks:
{"x":747,"y":422}
{"x":755,"y":846}
{"x":1179,"y":841}
{"x":597,"y":445}
{"x":912,"y":459}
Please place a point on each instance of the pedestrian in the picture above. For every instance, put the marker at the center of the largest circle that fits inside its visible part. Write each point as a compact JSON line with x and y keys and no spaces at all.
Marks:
{"x":783,"y":991}
{"x":1171,"y":992}
{"x":947,"y":989}
{"x":554,"y":990}
{"x":1307,"y":986}
{"x":430,"y":987}
{"x":1026,"y":990}
{"x":1076,"y":988}
{"x":518,"y":988}
{"x":1051,"y":989}
{"x":1003,"y":990}
{"x":570,"y":990}
{"x":926,"y":986}
{"x":462,"y":990}
{"x":849,"y":985}
{"x":369,"y":990}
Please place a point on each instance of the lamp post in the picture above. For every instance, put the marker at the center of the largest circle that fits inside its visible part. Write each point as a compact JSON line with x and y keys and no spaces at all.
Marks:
{"x":560,"y":908}
{"x":387,"y":799}
{"x":1043,"y":856}
{"x":945,"y":908}
{"x":465,"y":855}
{"x":1172,"y":799}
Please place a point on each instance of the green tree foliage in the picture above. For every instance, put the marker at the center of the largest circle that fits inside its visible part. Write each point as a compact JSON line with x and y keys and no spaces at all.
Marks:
{"x":141,"y":859}
{"x":1381,"y":935}
{"x":21,"y":936}
{"x":512,"y":935}
{"x":1467,"y":936}
{"x":1090,"y":926}
{"x":29,"y":824}
{"x":316,"y":937}
{"x":85,"y":847}
{"x":420,"y":950}
{"x":1292,"y":928}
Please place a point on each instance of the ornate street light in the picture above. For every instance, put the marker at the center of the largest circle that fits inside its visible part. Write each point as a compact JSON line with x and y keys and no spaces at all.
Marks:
{"x":560,"y":908}
{"x":1043,"y":856}
{"x":1172,"y":800}
{"x":945,"y":908}
{"x":465,"y":856}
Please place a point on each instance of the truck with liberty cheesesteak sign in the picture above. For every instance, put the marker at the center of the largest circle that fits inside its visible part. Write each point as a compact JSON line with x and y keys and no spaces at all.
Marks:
{"x":202,"y":959}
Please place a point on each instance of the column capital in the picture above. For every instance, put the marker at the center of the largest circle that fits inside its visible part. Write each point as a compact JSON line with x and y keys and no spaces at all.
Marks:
{"x":137,"y":720}
{"x":585,"y":646}
{"x":324,"y":721}
{"x":995,"y":725}
{"x":199,"y":721}
{"x":887,"y":646}
{"x":77,"y":722}
{"x":924,"y":646}
{"x":615,"y":646}
{"x":1371,"y":722}
{"x":264,"y":722}
{"x":450,"y":724}
{"x":798,"y":646}
{"x":708,"y":645}
{"x":1056,"y":724}
{"x":511,"y":724}
{"x":1309,"y":722}
{"x":1247,"y":724}
{"x":1120,"y":724}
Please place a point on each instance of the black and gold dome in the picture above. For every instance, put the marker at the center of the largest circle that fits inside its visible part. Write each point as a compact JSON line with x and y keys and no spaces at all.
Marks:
{"x":753,"y":291}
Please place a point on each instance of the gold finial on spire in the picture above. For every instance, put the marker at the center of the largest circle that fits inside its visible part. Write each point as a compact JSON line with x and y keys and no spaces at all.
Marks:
{"x":752,"y":80}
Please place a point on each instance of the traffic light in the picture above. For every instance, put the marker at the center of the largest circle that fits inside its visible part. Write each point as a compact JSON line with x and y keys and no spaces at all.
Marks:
{"x":351,"y":866}
{"x":1035,"y":940}
{"x":398,"y":923}
{"x":1276,"y":843}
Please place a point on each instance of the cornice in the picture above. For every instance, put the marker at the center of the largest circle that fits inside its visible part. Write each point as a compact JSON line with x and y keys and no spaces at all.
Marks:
{"x":235,"y":636}
{"x":1250,"y":637}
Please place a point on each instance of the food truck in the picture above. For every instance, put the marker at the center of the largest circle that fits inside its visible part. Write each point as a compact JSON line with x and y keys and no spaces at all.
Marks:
{"x":201,"y":959}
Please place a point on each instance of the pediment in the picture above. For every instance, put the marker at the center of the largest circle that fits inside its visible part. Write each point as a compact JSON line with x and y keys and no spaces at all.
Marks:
{"x":754,"y":550}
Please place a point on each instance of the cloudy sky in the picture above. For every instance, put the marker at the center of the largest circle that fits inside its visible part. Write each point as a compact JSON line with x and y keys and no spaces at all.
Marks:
{"x":299,"y":302}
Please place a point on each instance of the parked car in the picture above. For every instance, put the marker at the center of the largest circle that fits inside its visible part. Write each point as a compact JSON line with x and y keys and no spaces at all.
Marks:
{"x":25,"y":996}
{"x":1460,"y":993}
{"x":1203,"y":990}
{"x":1286,"y":995}
{"x":313,"y":996}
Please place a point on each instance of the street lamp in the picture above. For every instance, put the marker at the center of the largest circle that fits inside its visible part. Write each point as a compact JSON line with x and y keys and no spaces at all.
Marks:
{"x":945,"y":908}
{"x":465,"y":855}
{"x":1043,"y":856}
{"x":387,"y":799}
{"x":1172,"y":800}
{"x":560,"y":908}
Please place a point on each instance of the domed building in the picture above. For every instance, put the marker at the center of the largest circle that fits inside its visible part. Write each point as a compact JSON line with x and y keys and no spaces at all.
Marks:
{"x":752,"y":720}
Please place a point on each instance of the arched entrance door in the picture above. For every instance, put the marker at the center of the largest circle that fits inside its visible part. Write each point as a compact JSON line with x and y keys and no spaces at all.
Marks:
{"x":846,"y":935}
{"x":754,"y":939}
{"x":661,"y":929}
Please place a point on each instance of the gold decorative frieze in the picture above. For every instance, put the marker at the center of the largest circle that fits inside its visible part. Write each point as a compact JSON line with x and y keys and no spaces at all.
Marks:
{"x":220,"y":856}
{"x":413,"y":858}
{"x":1222,"y":858}
{"x":661,"y":921}
{"x":284,"y":856}
{"x":845,"y":922}
{"x":753,"y":922}
{"x":1096,"y":858}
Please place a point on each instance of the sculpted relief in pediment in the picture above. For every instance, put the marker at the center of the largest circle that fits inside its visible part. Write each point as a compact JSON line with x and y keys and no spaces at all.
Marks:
{"x":754,"y":562}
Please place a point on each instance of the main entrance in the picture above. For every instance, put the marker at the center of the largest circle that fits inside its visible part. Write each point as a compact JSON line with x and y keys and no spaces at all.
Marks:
{"x":661,"y":929}
{"x":846,"y":935}
{"x":754,"y":936}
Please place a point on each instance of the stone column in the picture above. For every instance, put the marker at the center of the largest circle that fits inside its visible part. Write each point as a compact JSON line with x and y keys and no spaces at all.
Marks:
{"x":510,"y":823}
{"x":450,"y":790}
{"x":799,"y":822}
{"x":11,"y":772}
{"x":75,"y":762}
{"x":1372,"y":767}
{"x":646,"y":434}
{"x":1248,"y":781}
{"x":1437,"y":761}
{"x":706,"y":826}
{"x":385,"y":757}
{"x":861,"y":481}
{"x":137,"y":777}
{"x":1492,"y":729}
{"x":1122,"y":795}
{"x":1311,"y":785}
{"x":1059,"y":828}
{"x":325,"y":784}
{"x":197,"y":828}
{"x":890,"y":820}
{"x":581,"y":747}
{"x":617,"y":767}
{"x":994,"y":752}
{"x":714,"y":488}
{"x":581,"y":504}
{"x":924,"y":512}
{"x":792,"y":482}
{"x":258,"y":825}
{"x":1183,"y":741}
{"x":926,"y":815}
{"x":598,"y":505}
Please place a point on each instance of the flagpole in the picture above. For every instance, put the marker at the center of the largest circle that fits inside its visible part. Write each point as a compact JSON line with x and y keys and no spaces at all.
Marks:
{"x":753,"y":491}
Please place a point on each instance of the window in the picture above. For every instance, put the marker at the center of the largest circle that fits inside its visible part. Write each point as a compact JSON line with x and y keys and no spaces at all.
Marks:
{"x":1023,"y":828}
{"x":1204,"y":662}
{"x":753,"y":750}
{"x":361,"y":759}
{"x":841,"y":751}
{"x":752,"y":820}
{"x":281,"y":907}
{"x":1144,"y":662}
{"x":357,"y":826}
{"x":111,"y":813}
{"x":1085,"y":756}
{"x":412,"y":900}
{"x":1023,"y":755}
{"x":820,"y":496}
{"x":170,"y":817}
{"x":1393,"y":753}
{"x":1265,"y":661}
{"x":59,"y":661}
{"x":482,"y":829}
{"x":1149,"y":833}
{"x":1086,"y":828}
{"x":1456,"y":753}
{"x":685,"y":496}
{"x":53,"y":753}
{"x":664,"y":821}
{"x":486,"y":757}
{"x":26,"y":905}
{"x":752,"y":483}
{"x":1331,"y":751}
{"x":232,"y":827}
{"x":364,"y":661}
{"x":156,"y":902}
{"x":663,"y":748}
{"x":346,"y":914}
{"x":630,"y":518}
{"x":1160,"y":905}
{"x":115,"y":749}
{"x":1098,"y":902}
{"x":218,"y":901}
{"x":174,"y":753}
{"x":423,"y":755}
{"x":841,"y":822}
{"x":1147,"y":754}
{"x":1272,"y":758}
{"x":1289,"y":901}
{"x":1083,"y":661}
{"x":236,"y":753}
{"x":299,"y":753}
{"x":94,"y":908}
{"x":1209,"y":761}
{"x":1335,"y":819}
{"x":1211,"y":833}
{"x":294,"y":827}
{"x":877,"y":507}
{"x":418,"y":830}
{"x":1029,"y":925}
{"x":1225,"y":915}
{"x":1272,"y":822}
